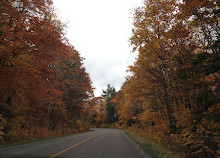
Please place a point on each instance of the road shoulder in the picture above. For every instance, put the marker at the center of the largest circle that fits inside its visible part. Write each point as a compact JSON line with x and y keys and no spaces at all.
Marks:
{"x":135,"y":145}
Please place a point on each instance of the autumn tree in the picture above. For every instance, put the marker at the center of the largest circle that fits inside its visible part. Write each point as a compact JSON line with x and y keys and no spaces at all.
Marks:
{"x":97,"y":111}
{"x":153,"y":25}
{"x":175,"y":78}
{"x":42,"y":80}
{"x":204,"y":24}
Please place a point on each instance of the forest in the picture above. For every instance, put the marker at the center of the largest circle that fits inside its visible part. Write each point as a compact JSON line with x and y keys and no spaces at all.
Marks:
{"x":171,"y":97}
{"x":43,"y":84}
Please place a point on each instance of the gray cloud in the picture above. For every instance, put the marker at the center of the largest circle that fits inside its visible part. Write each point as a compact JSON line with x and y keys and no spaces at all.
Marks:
{"x":103,"y":72}
{"x":100,"y":31}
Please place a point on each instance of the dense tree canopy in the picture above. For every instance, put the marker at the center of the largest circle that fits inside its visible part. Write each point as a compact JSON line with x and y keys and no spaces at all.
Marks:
{"x":43,"y":83}
{"x":173,"y":94}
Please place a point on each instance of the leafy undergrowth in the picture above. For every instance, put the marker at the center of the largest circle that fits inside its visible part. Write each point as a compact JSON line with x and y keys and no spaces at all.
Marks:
{"x":152,"y":148}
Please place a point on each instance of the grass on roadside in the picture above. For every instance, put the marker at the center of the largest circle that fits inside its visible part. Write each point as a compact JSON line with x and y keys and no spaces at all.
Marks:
{"x":152,"y":148}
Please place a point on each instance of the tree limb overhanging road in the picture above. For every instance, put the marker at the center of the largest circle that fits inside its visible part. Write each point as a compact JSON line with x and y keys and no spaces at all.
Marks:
{"x":100,"y":143}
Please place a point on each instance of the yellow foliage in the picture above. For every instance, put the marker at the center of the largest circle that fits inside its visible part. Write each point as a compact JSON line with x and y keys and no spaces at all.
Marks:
{"x":79,"y":125}
{"x":183,"y":116}
{"x":2,"y":125}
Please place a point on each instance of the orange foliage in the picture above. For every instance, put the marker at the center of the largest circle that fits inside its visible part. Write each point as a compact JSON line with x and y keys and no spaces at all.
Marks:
{"x":40,"y":74}
{"x":172,"y":96}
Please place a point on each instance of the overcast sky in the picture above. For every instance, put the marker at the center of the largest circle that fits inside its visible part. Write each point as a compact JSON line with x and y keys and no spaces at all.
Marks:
{"x":100,"y":31}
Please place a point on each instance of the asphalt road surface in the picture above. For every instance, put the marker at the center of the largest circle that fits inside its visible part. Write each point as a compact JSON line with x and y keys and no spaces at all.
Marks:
{"x":101,"y":143}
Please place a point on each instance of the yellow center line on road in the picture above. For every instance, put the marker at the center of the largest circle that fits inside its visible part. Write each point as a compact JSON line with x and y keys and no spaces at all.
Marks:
{"x":75,"y":145}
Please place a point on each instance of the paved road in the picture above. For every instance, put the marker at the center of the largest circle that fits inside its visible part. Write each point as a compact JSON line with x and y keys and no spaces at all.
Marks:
{"x":101,"y":143}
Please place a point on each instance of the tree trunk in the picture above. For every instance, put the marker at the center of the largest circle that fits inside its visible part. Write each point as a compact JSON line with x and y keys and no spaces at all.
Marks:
{"x":169,"y":107}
